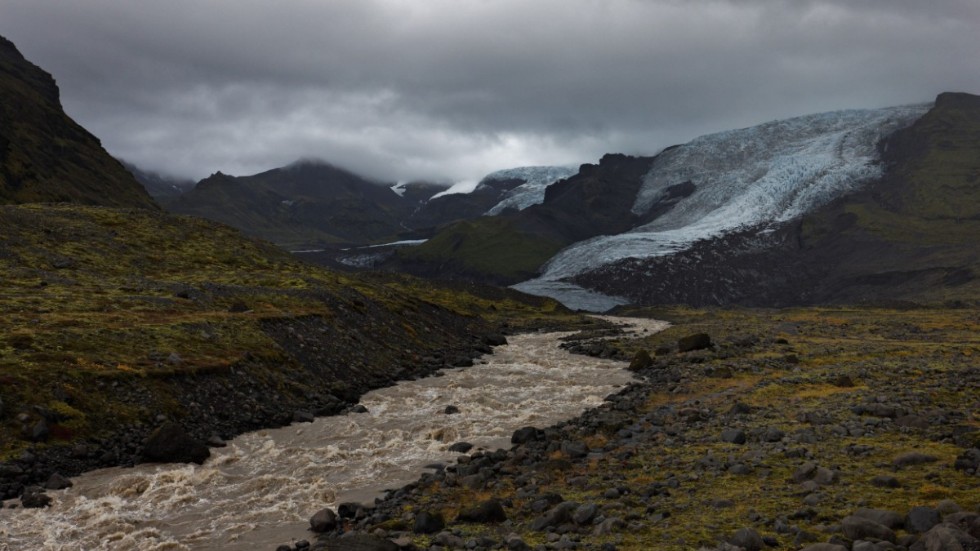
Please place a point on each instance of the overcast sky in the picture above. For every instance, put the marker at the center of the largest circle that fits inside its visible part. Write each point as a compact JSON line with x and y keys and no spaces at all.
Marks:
{"x":454,"y":89}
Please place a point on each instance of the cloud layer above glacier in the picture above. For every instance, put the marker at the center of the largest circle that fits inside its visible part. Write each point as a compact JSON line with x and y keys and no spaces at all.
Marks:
{"x":454,"y":89}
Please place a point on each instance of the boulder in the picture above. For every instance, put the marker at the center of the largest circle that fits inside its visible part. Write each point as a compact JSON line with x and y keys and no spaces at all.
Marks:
{"x":641,"y":360}
{"x":891,"y":519}
{"x":556,"y":516}
{"x":323,"y":520}
{"x":301,"y":416}
{"x":489,"y":511}
{"x":427,"y":522}
{"x":697,"y":341}
{"x":34,"y":498}
{"x":495,"y":339}
{"x":733,"y":436}
{"x":355,"y":541}
{"x":859,"y":528}
{"x":525,"y":434}
{"x":747,"y":539}
{"x":57,"y":482}
{"x":921,"y":519}
{"x":171,"y":444}
{"x":946,"y":537}
{"x":461,"y":447}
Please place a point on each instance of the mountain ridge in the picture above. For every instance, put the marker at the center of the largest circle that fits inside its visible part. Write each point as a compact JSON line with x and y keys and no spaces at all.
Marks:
{"x":47,"y":157}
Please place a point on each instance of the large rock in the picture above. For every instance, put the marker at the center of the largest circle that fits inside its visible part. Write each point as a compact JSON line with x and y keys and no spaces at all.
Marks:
{"x":556,"y":516}
{"x":358,"y":542}
{"x":171,"y":444}
{"x":946,"y":537}
{"x":34,"y":498}
{"x":487,"y":511}
{"x":891,"y":519}
{"x":697,"y":341}
{"x":747,"y":539}
{"x":858,"y":528}
{"x":525,"y":434}
{"x":427,"y":522}
{"x":323,"y":521}
{"x":641,"y":361}
{"x":921,"y":519}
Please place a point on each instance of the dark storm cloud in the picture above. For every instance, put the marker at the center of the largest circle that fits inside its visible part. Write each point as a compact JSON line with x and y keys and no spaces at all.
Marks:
{"x":403,"y":89}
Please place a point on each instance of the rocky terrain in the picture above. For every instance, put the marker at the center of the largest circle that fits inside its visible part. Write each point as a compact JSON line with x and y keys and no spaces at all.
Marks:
{"x":825,"y":430}
{"x":103,"y":343}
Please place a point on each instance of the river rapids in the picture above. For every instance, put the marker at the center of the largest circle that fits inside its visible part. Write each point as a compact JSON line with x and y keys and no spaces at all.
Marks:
{"x":260,"y":490}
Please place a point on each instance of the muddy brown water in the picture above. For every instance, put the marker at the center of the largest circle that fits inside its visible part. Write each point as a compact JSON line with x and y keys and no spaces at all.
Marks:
{"x":260,"y":490}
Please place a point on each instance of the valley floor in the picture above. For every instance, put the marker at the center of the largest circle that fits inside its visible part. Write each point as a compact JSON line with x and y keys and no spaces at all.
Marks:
{"x":792,"y":429}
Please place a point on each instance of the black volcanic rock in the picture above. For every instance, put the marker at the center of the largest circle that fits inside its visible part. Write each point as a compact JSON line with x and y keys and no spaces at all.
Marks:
{"x":46,"y":157}
{"x":171,"y":444}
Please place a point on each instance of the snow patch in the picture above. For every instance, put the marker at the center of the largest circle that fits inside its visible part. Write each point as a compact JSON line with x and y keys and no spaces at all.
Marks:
{"x":466,"y":186}
{"x":531,"y":192}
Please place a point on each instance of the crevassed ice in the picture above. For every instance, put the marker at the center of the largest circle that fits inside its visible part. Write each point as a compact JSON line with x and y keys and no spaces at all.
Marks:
{"x":531,"y":192}
{"x":769,"y":173}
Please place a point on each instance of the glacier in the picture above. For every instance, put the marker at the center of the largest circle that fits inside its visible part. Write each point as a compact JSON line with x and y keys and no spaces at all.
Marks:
{"x":531,"y":192}
{"x":750,"y":177}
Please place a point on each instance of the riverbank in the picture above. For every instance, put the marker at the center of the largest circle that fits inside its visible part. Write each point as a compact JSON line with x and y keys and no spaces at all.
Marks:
{"x":119,"y":322}
{"x":793,"y":428}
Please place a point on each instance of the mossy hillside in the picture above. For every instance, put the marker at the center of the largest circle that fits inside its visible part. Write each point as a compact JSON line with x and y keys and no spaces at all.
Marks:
{"x":922,"y":217}
{"x":938,"y":165}
{"x":98,"y":298}
{"x":786,"y":368}
{"x":489,"y":248}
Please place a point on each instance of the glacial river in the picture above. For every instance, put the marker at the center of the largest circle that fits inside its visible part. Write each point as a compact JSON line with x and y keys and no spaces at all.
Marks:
{"x":260,"y":490}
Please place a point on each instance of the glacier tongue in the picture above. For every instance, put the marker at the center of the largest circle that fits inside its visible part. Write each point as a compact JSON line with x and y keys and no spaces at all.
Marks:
{"x":531,"y":192}
{"x":750,"y":177}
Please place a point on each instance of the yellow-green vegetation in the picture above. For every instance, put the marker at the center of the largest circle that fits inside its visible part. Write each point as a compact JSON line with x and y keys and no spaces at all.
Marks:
{"x":493,"y":247}
{"x":805,"y":372}
{"x":94,"y":297}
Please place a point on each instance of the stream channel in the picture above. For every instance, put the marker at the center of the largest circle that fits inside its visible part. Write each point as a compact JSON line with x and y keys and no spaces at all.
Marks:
{"x":260,"y":490}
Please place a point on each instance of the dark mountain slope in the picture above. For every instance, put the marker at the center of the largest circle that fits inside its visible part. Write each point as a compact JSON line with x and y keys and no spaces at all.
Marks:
{"x":301,"y":204}
{"x":511,"y":247}
{"x":164,"y":189}
{"x":44,"y":155}
{"x":912,"y":235}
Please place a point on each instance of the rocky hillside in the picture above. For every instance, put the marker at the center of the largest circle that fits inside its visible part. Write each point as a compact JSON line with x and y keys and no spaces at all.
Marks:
{"x":511,"y":246}
{"x":298,"y":205}
{"x":164,"y":189}
{"x":908,"y":235}
{"x":44,"y":155}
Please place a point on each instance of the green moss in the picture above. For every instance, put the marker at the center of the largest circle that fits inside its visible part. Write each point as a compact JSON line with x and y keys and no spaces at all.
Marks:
{"x":492,"y":246}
